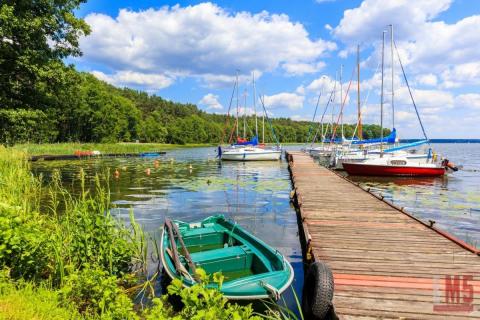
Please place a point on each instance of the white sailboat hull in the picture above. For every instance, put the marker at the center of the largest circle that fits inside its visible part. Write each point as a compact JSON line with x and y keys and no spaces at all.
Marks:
{"x":251,"y":154}
{"x":337,"y":161}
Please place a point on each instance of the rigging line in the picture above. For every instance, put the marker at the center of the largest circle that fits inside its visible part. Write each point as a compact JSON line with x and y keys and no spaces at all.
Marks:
{"x":364,"y":104}
{"x":313,"y":119}
{"x":343,"y":105}
{"x":410,"y":92}
{"x":269,"y":121}
{"x":323,"y":115}
{"x":227,"y":119}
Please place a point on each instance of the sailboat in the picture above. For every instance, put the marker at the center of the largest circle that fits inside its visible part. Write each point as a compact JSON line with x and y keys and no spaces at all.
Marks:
{"x":393,"y":161}
{"x":249,"y":150}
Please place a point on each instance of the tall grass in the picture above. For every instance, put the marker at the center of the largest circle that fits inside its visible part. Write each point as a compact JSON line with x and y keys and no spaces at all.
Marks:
{"x":70,"y":244}
{"x":66,"y":257}
{"x":70,"y":148}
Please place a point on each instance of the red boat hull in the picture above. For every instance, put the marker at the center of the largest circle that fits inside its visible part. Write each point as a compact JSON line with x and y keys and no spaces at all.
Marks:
{"x":360,"y":169}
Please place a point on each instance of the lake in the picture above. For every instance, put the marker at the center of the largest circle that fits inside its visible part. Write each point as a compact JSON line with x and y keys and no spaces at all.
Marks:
{"x":190,"y":184}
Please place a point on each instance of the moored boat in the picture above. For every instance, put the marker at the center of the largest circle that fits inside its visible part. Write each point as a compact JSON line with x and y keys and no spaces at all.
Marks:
{"x":397,"y":166}
{"x":252,"y":269}
{"x":250,"y":153}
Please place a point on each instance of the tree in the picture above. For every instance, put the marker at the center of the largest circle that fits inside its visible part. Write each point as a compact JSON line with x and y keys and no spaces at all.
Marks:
{"x":34,"y":38}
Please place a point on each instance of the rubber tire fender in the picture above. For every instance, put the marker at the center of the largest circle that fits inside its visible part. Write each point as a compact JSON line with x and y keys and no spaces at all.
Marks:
{"x":318,"y":288}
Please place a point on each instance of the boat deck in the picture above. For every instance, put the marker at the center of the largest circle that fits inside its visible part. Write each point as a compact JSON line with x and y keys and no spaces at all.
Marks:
{"x":386,"y":263}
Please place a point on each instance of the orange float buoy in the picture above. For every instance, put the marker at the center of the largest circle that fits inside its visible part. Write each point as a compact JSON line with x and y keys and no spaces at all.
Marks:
{"x":147,"y":171}
{"x":156,"y":164}
{"x":116,"y":174}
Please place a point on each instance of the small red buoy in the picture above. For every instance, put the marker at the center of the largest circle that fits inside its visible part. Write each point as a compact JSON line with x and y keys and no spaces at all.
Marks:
{"x":116,"y":174}
{"x":147,"y":171}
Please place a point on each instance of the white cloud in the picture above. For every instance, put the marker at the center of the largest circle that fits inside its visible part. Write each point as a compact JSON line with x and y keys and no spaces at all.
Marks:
{"x":302,"y":68}
{"x":298,"y":117}
{"x":425,"y":45}
{"x":427,"y":79}
{"x":211,"y":102}
{"x":365,"y":23}
{"x":468,"y":100}
{"x":323,"y":83}
{"x":131,"y":78}
{"x":461,"y":74}
{"x":287,"y":100}
{"x":201,"y":40}
{"x":428,"y":101}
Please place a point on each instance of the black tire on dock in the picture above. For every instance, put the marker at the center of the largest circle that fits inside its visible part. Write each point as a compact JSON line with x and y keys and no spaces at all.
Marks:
{"x":317,"y":291}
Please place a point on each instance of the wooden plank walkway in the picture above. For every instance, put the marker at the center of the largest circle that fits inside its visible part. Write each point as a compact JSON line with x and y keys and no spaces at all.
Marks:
{"x":386,"y":264}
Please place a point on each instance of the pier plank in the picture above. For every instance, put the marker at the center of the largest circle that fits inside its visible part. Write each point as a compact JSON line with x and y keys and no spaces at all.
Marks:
{"x":386,"y":264}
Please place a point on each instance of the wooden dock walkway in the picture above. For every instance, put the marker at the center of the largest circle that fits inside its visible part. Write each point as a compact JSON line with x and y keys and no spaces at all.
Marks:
{"x":386,"y":264}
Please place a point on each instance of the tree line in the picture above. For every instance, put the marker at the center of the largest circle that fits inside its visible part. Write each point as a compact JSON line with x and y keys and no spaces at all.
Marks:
{"x":44,"y":100}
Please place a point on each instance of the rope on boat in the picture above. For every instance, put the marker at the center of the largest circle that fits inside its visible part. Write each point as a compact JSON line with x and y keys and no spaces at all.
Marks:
{"x":364,"y":105}
{"x":341,"y":110}
{"x":410,"y":92}
{"x":313,"y":119}
{"x":271,"y":289}
{"x":321,"y":119}
{"x":269,"y":121}
{"x":227,"y":120}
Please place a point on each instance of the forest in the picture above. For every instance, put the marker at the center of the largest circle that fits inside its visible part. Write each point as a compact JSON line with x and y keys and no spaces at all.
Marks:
{"x":44,"y":100}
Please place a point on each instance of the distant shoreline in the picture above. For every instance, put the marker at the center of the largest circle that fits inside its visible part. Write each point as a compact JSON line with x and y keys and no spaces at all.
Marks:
{"x":443,"y":140}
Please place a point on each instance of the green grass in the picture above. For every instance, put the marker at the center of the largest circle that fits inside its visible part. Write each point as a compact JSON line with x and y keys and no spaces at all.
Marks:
{"x":25,"y":301}
{"x":70,"y":148}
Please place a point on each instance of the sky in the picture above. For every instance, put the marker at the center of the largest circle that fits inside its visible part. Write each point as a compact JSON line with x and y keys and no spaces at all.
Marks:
{"x":191,"y":52}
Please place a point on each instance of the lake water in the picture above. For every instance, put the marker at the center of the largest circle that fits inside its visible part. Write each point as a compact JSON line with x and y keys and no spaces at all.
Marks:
{"x":452,"y":201}
{"x":190,"y":184}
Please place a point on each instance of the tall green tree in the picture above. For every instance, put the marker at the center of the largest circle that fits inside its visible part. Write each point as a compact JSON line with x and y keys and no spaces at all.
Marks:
{"x":35,"y":35}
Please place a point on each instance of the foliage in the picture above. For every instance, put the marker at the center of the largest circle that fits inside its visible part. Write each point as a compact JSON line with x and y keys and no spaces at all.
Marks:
{"x":95,"y":292}
{"x":20,"y":126}
{"x":70,"y":148}
{"x":35,"y":37}
{"x":199,"y":302}
{"x":24,"y":300}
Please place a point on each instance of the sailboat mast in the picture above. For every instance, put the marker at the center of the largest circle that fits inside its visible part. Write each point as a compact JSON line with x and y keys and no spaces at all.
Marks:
{"x":360,"y":134}
{"x":245,"y":114}
{"x":254,"y":104}
{"x":393,"y":93}
{"x":333,"y":102}
{"x":341,"y":99}
{"x":263,"y":122}
{"x":381,"y":97}
{"x":237,"y":104}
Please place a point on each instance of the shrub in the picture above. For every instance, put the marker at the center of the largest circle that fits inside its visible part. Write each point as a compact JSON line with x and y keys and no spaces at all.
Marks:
{"x":94,"y":292}
{"x":20,"y":126}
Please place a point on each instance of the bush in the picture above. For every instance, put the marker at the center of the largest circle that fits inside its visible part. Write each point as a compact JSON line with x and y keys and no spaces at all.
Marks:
{"x":94,"y":292}
{"x":199,"y":302}
{"x":20,"y":126}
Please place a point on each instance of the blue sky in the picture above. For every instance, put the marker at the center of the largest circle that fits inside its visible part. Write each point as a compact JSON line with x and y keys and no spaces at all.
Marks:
{"x":189,"y":51}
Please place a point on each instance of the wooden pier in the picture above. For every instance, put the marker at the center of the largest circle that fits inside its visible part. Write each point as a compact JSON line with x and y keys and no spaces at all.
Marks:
{"x":386,"y":264}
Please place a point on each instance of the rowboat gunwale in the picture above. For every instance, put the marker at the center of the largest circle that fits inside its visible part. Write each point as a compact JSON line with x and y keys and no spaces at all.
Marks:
{"x":187,"y":283}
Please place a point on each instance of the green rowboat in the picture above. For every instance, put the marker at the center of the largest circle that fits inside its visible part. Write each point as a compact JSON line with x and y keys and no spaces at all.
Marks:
{"x":252,"y":269}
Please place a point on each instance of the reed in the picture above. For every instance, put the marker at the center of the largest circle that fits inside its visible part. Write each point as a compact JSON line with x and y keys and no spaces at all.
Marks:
{"x":65,"y":256}
{"x":69,"y":148}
